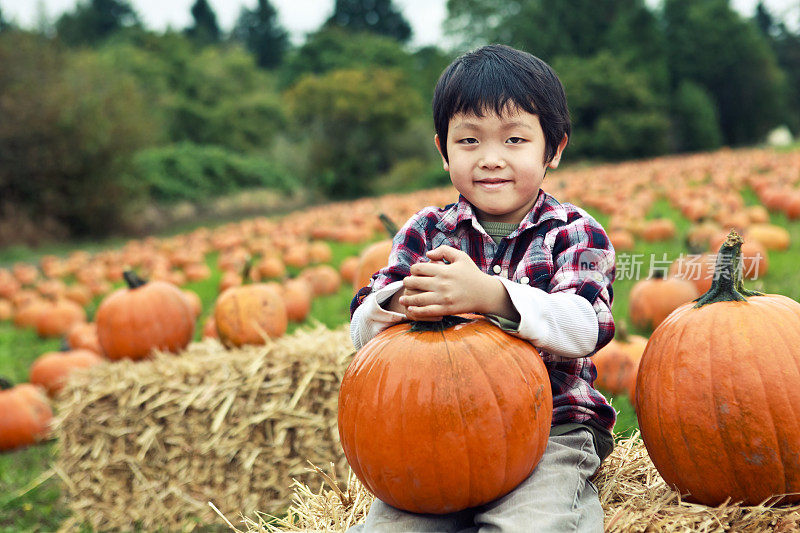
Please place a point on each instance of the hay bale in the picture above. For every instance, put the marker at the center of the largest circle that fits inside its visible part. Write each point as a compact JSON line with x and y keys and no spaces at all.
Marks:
{"x":148,"y":444}
{"x":634,"y":498}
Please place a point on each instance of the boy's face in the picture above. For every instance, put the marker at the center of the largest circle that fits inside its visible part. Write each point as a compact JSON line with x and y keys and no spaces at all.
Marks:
{"x":497,"y":162}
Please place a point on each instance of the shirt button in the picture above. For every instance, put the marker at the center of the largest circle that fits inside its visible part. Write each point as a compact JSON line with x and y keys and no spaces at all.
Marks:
{"x":524,"y":280}
{"x":496,"y":269}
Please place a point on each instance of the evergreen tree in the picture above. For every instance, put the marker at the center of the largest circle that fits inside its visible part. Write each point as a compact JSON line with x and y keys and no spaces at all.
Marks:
{"x":764,"y":19}
{"x":786,"y":45}
{"x":3,"y":24}
{"x":95,"y":20}
{"x":205,"y":30}
{"x":711,"y":45}
{"x":262,"y":34}
{"x":378,"y":16}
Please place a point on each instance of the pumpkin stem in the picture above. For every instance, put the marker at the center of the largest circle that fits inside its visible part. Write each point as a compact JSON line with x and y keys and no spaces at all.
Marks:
{"x":621,"y":331}
{"x":391,"y":227}
{"x":446,"y":322}
{"x":5,"y":384}
{"x":132,"y":279}
{"x":247,"y":269}
{"x":727,"y":285}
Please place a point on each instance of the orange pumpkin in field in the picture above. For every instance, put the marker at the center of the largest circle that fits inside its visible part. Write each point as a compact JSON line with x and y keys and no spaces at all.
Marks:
{"x":26,"y":415}
{"x":651,"y":300}
{"x":210,"y":328}
{"x":374,"y":257}
{"x":83,"y":335}
{"x":50,"y":370}
{"x":426,"y":409}
{"x":142,"y":317}
{"x":56,"y":318}
{"x":250,"y":313}
{"x":6,"y":310}
{"x":297,"y":295}
{"x":348,"y":267}
{"x":323,"y":279}
{"x":618,"y":361}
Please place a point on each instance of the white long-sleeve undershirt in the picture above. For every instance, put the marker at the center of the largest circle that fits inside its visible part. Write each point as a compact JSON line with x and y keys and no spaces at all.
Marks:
{"x":563,"y":324}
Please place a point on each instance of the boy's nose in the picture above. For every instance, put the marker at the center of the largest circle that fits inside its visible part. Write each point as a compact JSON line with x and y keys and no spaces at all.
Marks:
{"x":491,"y":160}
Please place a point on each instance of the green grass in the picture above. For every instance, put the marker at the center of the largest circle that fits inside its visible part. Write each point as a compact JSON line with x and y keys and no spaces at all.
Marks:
{"x":30,"y":503}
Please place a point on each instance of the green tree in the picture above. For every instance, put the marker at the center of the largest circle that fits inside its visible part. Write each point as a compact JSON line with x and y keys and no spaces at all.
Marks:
{"x":377,"y":16}
{"x":260,"y":32}
{"x":627,"y":29}
{"x":709,"y":44}
{"x":550,"y":29}
{"x":3,"y":24}
{"x":351,"y":117}
{"x":94,"y":21}
{"x":205,"y":29}
{"x":216,"y":95}
{"x":695,"y":118}
{"x":334,"y":48}
{"x":786,"y":45}
{"x":68,"y":129}
{"x":616,"y":113}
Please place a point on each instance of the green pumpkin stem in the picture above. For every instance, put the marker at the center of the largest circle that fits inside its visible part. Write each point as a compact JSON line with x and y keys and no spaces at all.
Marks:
{"x":391,"y":227}
{"x":5,"y":384}
{"x":446,"y":322}
{"x":133,"y":280}
{"x":727,"y":285}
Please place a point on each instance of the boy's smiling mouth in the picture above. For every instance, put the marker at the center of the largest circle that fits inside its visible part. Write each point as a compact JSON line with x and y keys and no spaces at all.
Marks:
{"x":492,"y":183}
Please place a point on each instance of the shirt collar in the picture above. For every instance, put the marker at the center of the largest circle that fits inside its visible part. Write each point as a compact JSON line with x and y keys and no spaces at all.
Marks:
{"x":545,"y":208}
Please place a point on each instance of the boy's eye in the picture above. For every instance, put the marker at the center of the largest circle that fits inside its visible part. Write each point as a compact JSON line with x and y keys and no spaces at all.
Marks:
{"x":468,"y":140}
{"x":515,"y":140}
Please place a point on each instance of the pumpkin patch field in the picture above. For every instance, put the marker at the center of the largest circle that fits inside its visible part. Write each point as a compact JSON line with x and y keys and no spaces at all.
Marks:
{"x":64,"y":313}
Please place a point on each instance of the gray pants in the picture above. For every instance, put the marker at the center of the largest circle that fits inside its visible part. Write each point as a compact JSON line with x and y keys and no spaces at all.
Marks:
{"x":557,"y":497}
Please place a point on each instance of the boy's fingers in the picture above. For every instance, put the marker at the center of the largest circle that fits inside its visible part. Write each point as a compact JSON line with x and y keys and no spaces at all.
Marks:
{"x":428,"y":312}
{"x":444,"y":252}
{"x":419,"y":300}
{"x":419,"y":283}
{"x":426,"y":269}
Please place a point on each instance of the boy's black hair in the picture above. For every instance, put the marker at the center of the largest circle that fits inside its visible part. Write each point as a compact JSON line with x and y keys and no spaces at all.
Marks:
{"x":494,"y":76}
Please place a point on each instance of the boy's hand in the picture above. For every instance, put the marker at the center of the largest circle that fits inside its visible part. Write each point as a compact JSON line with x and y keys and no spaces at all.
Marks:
{"x":436,"y":289}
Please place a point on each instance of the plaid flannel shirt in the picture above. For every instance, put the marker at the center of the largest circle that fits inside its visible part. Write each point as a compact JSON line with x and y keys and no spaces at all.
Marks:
{"x":557,"y":248}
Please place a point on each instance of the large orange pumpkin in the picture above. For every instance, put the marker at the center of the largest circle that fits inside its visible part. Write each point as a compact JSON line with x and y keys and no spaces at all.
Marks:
{"x":717,"y":392}
{"x":250,"y":313}
{"x":144,"y":316}
{"x":25,"y":415}
{"x":437,"y":417}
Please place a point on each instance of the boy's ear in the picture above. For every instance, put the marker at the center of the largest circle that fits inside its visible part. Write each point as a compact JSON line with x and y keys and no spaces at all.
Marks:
{"x":438,"y":144}
{"x":557,"y":157}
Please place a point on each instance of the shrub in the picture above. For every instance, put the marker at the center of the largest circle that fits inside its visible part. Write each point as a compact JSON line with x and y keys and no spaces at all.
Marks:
{"x":68,"y":128}
{"x":187,"y":171}
{"x":351,"y":117}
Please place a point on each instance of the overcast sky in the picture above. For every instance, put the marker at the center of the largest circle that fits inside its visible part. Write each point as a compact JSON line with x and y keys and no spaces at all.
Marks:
{"x":300,"y":17}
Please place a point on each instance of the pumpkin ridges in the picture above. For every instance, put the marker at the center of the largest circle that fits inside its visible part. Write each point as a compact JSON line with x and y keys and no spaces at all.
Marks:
{"x":759,"y":320}
{"x":470,"y":468}
{"x":441,"y":471}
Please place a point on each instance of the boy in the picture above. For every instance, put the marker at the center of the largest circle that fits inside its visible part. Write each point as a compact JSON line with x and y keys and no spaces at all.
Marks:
{"x":537,"y":268}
